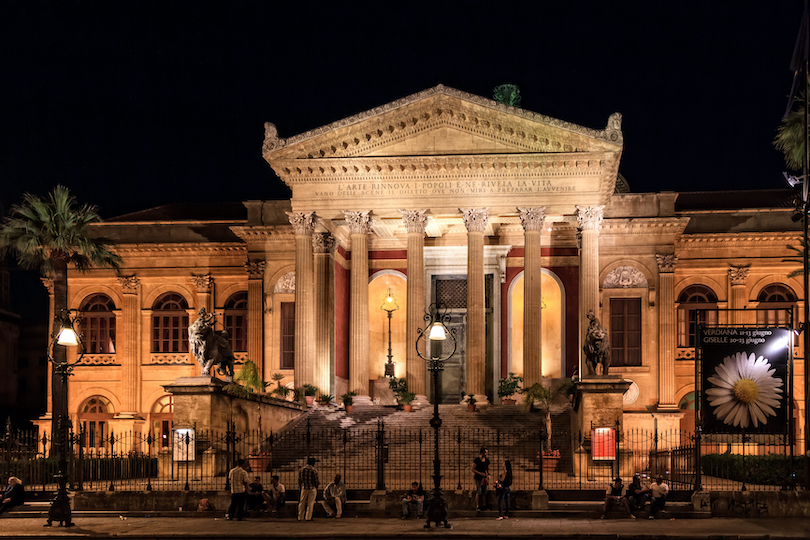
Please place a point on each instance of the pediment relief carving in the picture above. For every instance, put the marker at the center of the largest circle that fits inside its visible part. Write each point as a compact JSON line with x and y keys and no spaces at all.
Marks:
{"x":591,"y":164}
{"x":483,"y":124}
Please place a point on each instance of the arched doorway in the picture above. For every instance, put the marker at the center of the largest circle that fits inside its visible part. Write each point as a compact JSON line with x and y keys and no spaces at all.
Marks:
{"x":94,"y":422}
{"x":553,"y":302}
{"x":378,"y":290}
{"x":161,"y":421}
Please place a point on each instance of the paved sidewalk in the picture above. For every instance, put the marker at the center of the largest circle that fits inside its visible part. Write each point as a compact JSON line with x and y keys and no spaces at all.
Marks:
{"x":346,"y":528}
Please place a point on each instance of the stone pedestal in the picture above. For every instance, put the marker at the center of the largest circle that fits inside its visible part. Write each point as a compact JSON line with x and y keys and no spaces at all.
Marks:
{"x":597,"y":404}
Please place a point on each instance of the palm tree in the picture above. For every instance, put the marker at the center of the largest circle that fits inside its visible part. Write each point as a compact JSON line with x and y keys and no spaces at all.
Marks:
{"x":48,"y":235}
{"x":791,"y":140}
{"x":791,"y":137}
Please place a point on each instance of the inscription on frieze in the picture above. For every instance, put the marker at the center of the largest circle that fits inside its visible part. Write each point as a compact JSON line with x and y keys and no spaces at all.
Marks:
{"x":443,"y":187}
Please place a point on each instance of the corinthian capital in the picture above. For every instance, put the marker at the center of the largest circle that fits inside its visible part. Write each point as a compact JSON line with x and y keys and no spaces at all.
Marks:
{"x":302,"y":222}
{"x":738,"y":274}
{"x":666,"y":263}
{"x":203,"y":283}
{"x":255,"y":269}
{"x":475,"y":219}
{"x":129,"y":284}
{"x":415,"y":220}
{"x":590,"y":217}
{"x":322,"y":242}
{"x":359,"y":222}
{"x":532,"y":219}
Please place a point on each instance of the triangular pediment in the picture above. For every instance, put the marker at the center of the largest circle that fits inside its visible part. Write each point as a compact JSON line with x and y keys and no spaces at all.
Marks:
{"x":442,"y":121}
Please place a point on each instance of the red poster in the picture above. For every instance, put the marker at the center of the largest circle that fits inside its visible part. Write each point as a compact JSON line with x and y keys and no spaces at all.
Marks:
{"x":603,"y":444}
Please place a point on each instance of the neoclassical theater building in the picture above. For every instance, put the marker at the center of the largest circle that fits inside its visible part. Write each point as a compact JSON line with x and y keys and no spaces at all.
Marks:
{"x":519,"y":223}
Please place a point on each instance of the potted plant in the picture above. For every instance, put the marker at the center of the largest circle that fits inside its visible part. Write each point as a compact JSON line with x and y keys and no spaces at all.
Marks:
{"x":259,"y":461}
{"x":325,"y":399}
{"x":550,"y":460}
{"x":405,"y":398}
{"x":281,"y":391}
{"x":310,"y":392}
{"x":348,"y":401}
{"x":508,"y":387}
{"x":544,"y":396}
{"x":470,"y":401}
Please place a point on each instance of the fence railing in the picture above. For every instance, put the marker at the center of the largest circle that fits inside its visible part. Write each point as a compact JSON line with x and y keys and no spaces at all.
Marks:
{"x":380,"y":457}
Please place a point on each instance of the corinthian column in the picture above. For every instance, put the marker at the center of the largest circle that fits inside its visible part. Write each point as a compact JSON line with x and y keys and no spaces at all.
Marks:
{"x":127,"y":349}
{"x":322,"y":244}
{"x":738,"y":276}
{"x":255,"y":316}
{"x":590,"y":221}
{"x":532,"y":220}
{"x":359,"y":226}
{"x":415,"y":222}
{"x":303,"y":225}
{"x":666,"y":331}
{"x":476,"y":219}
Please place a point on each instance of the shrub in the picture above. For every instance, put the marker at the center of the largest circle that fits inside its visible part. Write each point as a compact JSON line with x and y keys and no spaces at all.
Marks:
{"x":771,"y":469}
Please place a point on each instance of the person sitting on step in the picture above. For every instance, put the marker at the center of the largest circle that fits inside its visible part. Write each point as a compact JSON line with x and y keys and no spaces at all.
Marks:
{"x":413,"y":497}
{"x":616,"y":494}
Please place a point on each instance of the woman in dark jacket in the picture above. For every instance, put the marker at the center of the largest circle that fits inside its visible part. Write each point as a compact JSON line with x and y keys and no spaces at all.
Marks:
{"x":503,"y":489}
{"x":13,"y":496}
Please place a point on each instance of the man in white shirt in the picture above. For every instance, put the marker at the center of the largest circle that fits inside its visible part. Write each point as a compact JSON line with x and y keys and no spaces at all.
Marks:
{"x":276,"y":495}
{"x":659,"y":491}
{"x":238,"y":478}
{"x":334,"y":497}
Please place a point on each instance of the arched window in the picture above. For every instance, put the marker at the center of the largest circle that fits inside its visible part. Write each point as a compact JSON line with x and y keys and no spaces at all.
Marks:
{"x":698,"y":305}
{"x":98,"y":325}
{"x":236,"y":321}
{"x":170,"y":324}
{"x":776,"y":305}
{"x":162,"y":414}
{"x":94,"y":417}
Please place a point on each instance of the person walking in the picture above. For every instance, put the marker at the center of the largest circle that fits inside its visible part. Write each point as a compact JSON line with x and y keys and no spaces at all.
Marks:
{"x":238,"y":478}
{"x":308,"y":487}
{"x":480,"y":470}
{"x":503,"y":489}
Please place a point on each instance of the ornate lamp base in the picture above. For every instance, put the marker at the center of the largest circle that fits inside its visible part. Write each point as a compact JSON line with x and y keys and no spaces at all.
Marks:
{"x":437,"y":512}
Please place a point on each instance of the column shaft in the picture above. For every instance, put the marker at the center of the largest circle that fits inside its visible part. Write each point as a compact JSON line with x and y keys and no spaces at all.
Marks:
{"x":476,"y":324}
{"x":130,"y":357}
{"x":666,"y":336}
{"x":532,"y":313}
{"x":415,"y":302}
{"x":303,"y":225}
{"x":323,"y":305}
{"x":255,"y":316}
{"x":358,"y":318}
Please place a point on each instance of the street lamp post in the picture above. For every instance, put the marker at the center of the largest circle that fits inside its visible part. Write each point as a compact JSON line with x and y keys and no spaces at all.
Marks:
{"x":436,"y":331}
{"x":390,"y":306}
{"x":63,"y":336}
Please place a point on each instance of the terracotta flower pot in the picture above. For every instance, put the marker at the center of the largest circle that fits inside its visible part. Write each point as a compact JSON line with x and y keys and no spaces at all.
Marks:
{"x":407,"y":408}
{"x":310,"y":400}
{"x":349,"y":409}
{"x":508,"y":401}
{"x":470,"y":407}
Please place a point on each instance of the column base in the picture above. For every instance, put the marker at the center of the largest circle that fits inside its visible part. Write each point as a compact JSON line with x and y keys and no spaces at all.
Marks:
{"x":362,"y":401}
{"x":480,"y":399}
{"x":421,"y":402}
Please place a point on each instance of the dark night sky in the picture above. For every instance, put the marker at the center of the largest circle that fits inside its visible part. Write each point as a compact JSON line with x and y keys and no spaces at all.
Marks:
{"x":137,"y":104}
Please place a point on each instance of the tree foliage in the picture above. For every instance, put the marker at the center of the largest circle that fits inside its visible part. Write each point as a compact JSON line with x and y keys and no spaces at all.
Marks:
{"x":45,"y":233}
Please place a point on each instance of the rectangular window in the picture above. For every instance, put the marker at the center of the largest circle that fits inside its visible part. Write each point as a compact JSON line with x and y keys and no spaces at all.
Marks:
{"x":688,"y":319}
{"x":625,"y":331}
{"x":287,"y":335}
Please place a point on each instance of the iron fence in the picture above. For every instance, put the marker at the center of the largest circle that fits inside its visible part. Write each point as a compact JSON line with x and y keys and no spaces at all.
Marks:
{"x":380,"y":457}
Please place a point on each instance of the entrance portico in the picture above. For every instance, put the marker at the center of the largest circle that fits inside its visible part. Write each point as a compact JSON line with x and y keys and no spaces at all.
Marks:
{"x":446,"y":188}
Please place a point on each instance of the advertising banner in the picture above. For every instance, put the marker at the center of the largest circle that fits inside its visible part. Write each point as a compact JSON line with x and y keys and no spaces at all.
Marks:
{"x":744,"y":377}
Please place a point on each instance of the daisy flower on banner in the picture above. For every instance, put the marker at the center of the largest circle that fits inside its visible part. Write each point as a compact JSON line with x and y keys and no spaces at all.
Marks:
{"x":745,"y":390}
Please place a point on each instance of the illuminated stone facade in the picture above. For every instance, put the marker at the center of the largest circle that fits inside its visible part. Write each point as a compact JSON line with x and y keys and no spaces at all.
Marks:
{"x":508,"y":217}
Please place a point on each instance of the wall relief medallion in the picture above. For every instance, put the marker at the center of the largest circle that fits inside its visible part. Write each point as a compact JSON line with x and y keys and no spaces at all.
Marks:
{"x":625,"y":277}
{"x":286,"y":284}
